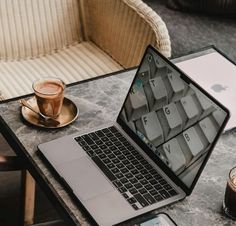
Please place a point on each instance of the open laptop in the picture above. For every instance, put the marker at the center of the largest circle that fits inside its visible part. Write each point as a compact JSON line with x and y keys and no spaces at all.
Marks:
{"x":214,"y":72}
{"x":152,"y":155}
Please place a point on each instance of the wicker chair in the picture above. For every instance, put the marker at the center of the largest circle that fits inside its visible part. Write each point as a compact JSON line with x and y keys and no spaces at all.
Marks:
{"x":74,"y":40}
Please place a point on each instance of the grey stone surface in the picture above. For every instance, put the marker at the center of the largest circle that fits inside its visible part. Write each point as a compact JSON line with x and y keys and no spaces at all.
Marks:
{"x":99,"y":102}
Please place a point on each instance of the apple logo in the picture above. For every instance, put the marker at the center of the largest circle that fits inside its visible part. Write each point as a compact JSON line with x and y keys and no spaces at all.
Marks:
{"x":218,"y":88}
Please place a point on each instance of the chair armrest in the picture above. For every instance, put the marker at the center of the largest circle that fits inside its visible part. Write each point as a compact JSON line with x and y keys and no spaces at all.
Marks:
{"x":10,"y":163}
{"x":124,"y":28}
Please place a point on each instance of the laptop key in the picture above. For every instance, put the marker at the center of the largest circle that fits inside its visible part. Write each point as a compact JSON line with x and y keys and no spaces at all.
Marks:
{"x":129,"y":175}
{"x":102,"y":156}
{"x":124,"y":170}
{"x":170,"y":120}
{"x":114,"y":170}
{"x":86,"y":148}
{"x":82,"y":143}
{"x":128,"y":185}
{"x":158,"y":187}
{"x":174,"y":154}
{"x":104,"y":139}
{"x":142,"y":190}
{"x":133,"y":191}
{"x":103,"y":167}
{"x":141,"y":200}
{"x":164,"y":194}
{"x":133,"y":180}
{"x":120,"y":165}
{"x":172,"y":192}
{"x":143,"y":181}
{"x":118,"y":184}
{"x":125,"y":195}
{"x":93,"y":136}
{"x":132,"y":200}
{"x":158,"y":198}
{"x":219,"y":117}
{"x":110,"y":165}
{"x":153,"y":192}
{"x":119,"y":175}
{"x":193,"y":141}
{"x":208,"y":129}
{"x":134,"y":171}
{"x":162,"y":72}
{"x":153,"y":182}
{"x":115,"y":161}
{"x":148,"y":176}
{"x":177,"y":85}
{"x":99,"y":133}
{"x":191,"y":110}
{"x":98,"y":142}
{"x":88,"y":140}
{"x":105,"y":130}
{"x":78,"y":139}
{"x":124,"y":180}
{"x":111,"y":156}
{"x":148,"y":187}
{"x":113,"y":129}
{"x":167,"y":187}
{"x":94,"y":146}
{"x":90,"y":153}
{"x":156,"y":93}
{"x":135,"y":206}
{"x":136,"y":104}
{"x":149,"y":125}
{"x":122,"y":189}
{"x":107,"y":151}
{"x":138,"y":186}
{"x":205,"y":104}
{"x":149,"y":198}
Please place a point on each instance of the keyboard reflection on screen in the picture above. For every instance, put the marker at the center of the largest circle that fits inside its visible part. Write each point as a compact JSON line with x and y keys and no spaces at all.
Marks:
{"x":176,"y":119}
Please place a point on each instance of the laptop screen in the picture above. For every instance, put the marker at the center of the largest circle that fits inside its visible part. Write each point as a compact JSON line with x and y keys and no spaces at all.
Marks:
{"x":173,"y":117}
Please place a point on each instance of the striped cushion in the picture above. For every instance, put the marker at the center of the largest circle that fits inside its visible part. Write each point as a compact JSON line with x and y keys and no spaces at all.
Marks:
{"x":75,"y":63}
{"x":30,"y":28}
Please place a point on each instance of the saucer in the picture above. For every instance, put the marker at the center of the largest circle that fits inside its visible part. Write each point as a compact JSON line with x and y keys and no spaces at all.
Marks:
{"x":69,"y":114}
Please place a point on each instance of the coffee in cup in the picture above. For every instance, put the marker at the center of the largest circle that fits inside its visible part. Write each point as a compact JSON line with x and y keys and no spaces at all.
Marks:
{"x":229,"y":203}
{"x":49,"y":94}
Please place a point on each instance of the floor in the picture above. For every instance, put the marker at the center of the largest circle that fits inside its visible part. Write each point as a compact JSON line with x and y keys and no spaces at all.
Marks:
{"x":9,"y":197}
{"x":191,"y":31}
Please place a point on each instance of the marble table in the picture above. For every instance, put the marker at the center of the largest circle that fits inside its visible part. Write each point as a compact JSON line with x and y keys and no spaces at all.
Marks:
{"x":99,"y":101}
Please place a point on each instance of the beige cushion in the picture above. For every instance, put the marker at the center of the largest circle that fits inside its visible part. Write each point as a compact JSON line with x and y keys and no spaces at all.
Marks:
{"x":75,"y":63}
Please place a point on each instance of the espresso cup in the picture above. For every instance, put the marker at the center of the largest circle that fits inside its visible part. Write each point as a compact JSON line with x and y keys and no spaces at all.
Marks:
{"x":49,"y":93}
{"x":229,"y":203}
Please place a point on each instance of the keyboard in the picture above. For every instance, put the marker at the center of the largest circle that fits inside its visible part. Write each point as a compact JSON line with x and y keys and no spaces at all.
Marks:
{"x":176,"y":119}
{"x":138,"y":182}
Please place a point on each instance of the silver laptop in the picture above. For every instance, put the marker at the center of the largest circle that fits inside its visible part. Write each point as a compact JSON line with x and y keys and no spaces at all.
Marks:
{"x":215,"y":73}
{"x":152,"y":155}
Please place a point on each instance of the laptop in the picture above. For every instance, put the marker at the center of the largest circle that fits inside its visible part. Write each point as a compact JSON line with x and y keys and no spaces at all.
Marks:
{"x":152,"y":155}
{"x":214,"y":72}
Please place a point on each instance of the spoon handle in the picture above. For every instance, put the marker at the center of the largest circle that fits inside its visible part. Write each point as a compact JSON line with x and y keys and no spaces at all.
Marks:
{"x":25,"y":104}
{"x":46,"y":119}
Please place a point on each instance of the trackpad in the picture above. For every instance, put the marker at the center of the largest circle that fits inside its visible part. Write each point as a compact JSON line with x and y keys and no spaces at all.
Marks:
{"x":84,"y":178}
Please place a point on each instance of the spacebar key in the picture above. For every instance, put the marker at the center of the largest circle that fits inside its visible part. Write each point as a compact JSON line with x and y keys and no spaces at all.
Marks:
{"x":104,"y":169}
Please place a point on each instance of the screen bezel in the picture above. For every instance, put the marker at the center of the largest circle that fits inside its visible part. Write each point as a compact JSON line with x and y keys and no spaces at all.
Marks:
{"x":148,"y":151}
